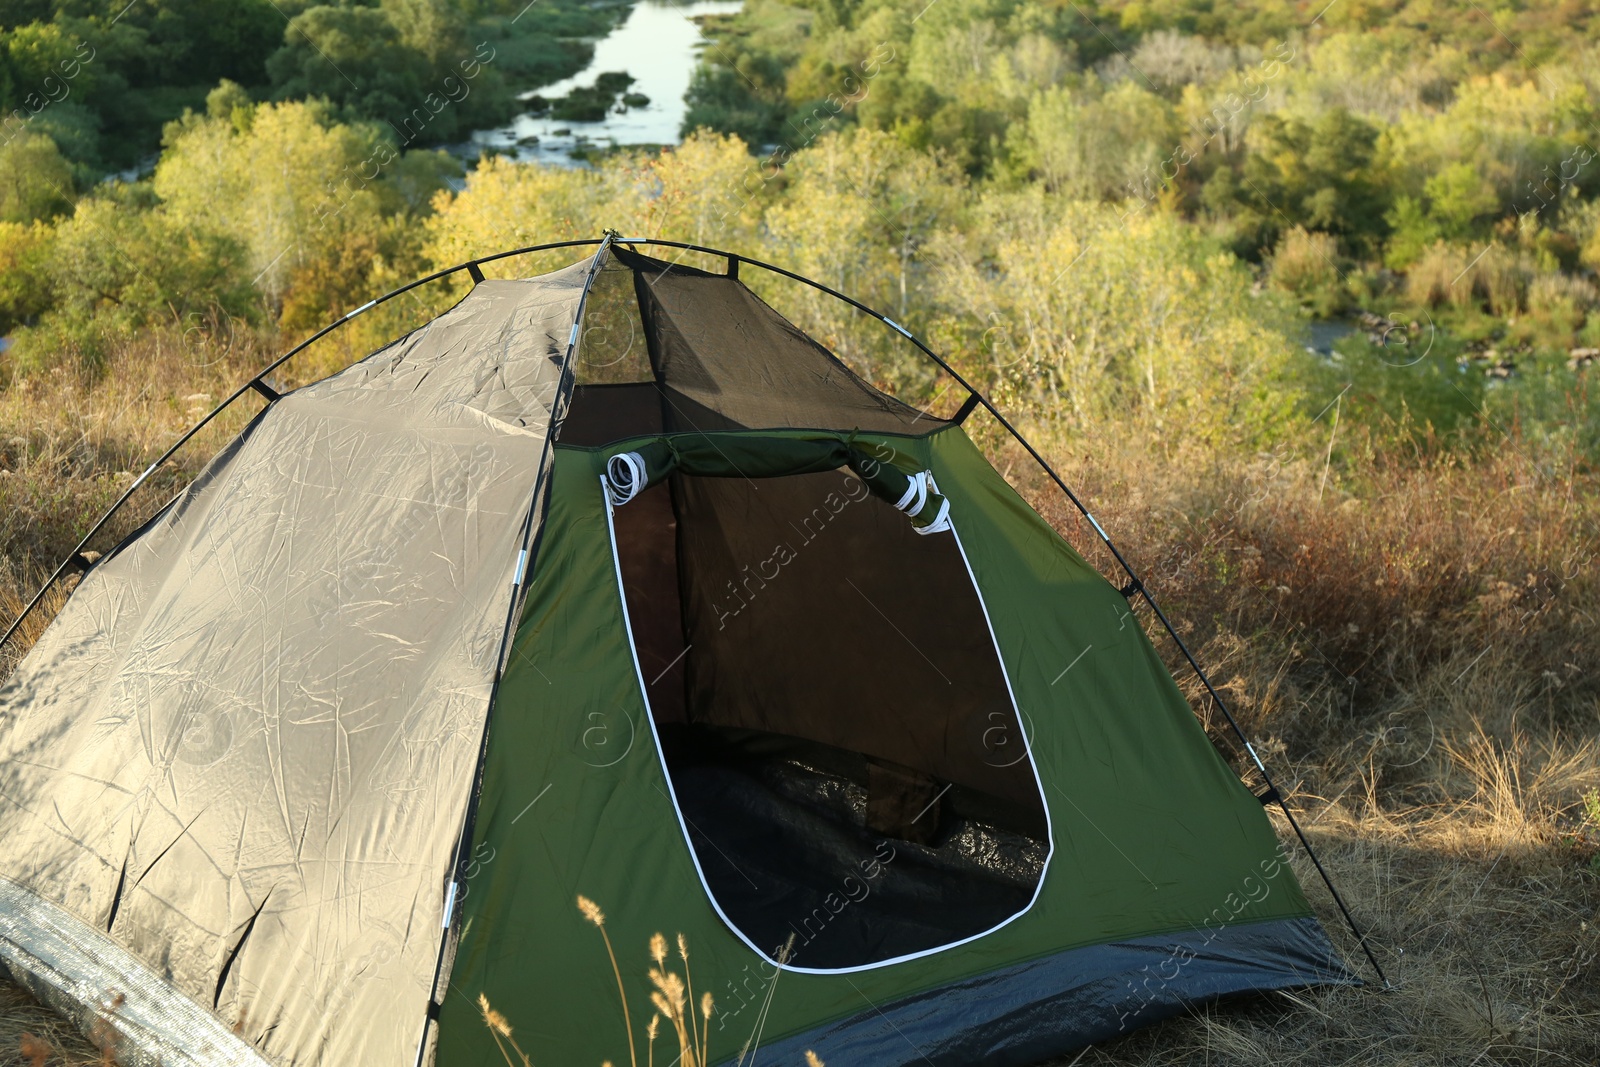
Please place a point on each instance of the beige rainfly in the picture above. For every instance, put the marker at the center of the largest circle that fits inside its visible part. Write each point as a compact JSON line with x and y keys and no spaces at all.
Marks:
{"x":280,"y":688}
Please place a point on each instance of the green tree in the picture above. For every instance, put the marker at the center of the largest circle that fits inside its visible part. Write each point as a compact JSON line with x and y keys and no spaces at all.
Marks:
{"x":1412,"y":232}
{"x":406,"y":64}
{"x":48,"y":62}
{"x":352,"y":56}
{"x":14,"y":13}
{"x":1119,"y":144}
{"x":119,"y":265}
{"x":35,"y":182}
{"x":139,"y":265}
{"x":25,"y":289}
{"x":1322,"y":174}
{"x":1460,"y":199}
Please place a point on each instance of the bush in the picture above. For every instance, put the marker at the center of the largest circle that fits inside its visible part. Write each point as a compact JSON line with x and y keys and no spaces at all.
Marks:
{"x":1454,"y":276}
{"x":35,"y":182}
{"x":1307,"y":265}
{"x":1097,"y":321}
{"x":118,"y":265}
{"x":25,"y":290}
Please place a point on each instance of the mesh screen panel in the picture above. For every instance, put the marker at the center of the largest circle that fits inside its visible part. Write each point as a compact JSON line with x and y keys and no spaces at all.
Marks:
{"x":812,"y":610}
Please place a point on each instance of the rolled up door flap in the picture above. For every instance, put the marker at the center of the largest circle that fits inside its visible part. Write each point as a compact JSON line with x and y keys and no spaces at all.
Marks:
{"x":630,"y":471}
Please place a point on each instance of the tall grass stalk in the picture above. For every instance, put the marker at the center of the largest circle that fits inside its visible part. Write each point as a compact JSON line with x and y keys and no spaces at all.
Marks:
{"x":591,"y":911}
{"x":688,"y":979}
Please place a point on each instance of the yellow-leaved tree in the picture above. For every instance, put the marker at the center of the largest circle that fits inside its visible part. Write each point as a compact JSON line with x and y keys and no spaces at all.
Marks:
{"x":294,"y":187}
{"x":704,"y":191}
{"x":1098,"y":316}
{"x":508,"y":205}
{"x":859,"y":209}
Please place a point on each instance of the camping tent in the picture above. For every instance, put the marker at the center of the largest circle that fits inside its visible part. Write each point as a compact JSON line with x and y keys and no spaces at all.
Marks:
{"x":680,"y":617}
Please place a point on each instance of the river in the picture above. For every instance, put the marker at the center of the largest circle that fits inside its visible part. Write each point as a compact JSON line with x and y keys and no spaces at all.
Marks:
{"x":659,"y":44}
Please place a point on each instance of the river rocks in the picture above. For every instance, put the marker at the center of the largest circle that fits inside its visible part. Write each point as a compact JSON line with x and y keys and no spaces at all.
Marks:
{"x":1381,"y":329}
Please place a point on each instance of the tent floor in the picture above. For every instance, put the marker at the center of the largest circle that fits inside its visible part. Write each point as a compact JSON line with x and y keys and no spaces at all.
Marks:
{"x":780,"y":827}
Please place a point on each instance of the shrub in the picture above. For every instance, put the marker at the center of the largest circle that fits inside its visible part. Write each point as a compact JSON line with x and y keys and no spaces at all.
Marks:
{"x":25,"y":290}
{"x":1307,"y":265}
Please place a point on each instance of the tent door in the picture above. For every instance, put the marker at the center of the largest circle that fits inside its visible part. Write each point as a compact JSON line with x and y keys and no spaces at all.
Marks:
{"x":842,"y":747}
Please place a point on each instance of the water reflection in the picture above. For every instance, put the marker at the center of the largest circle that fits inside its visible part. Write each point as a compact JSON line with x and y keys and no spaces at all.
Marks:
{"x":658,"y":44}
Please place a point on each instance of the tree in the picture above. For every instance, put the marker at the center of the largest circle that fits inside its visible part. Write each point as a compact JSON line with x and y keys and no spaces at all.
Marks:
{"x":1459,"y":198}
{"x":25,"y":290}
{"x":1100,"y":320}
{"x":1320,"y":174}
{"x":132,"y":266}
{"x":295,"y":180}
{"x":1412,"y":233}
{"x":406,"y":64}
{"x":859,"y":211}
{"x":506,"y":204}
{"x":205,"y":40}
{"x":1119,"y":144}
{"x":354,"y":57}
{"x":35,"y":182}
{"x":712,"y":192}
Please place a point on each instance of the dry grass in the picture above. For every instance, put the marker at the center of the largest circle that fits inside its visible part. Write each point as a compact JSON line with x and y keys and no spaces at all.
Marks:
{"x":31,"y":1035}
{"x":1410,"y":642}
{"x":1448,"y":275}
{"x":1412,"y":648}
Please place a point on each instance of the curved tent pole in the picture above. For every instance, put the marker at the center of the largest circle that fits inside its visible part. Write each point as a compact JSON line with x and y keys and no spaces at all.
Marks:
{"x":1135,"y":584}
{"x":258,"y":383}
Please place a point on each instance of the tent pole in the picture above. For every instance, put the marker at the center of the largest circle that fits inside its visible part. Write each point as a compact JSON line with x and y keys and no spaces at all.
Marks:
{"x":526,"y":558}
{"x":257,"y":383}
{"x":1136,"y":584}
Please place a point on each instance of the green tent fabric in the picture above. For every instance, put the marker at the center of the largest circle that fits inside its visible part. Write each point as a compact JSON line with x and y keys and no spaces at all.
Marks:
{"x":1164,"y":879}
{"x":523,"y":658}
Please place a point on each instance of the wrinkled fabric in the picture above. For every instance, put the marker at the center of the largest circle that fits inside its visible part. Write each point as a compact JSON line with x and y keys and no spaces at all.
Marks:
{"x":244,"y":748}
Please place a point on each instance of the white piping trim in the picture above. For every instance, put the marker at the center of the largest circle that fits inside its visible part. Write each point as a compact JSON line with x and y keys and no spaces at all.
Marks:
{"x":1044,"y":870}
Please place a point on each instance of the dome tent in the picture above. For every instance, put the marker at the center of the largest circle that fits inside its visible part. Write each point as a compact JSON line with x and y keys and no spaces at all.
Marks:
{"x":682,"y":618}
